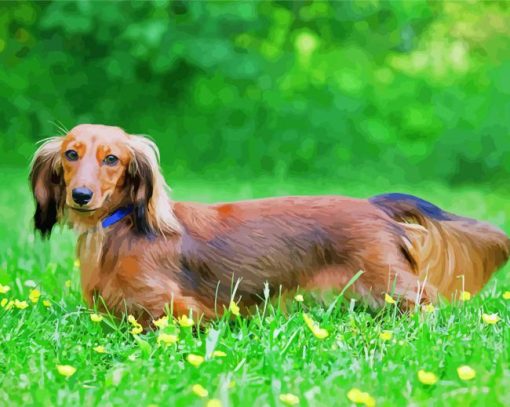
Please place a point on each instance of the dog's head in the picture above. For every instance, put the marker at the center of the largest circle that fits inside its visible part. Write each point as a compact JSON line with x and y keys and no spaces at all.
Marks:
{"x":95,"y":169}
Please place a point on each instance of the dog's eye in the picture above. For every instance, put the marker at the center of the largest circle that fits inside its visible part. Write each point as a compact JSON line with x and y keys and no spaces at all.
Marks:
{"x":111,"y":160}
{"x":71,"y":155}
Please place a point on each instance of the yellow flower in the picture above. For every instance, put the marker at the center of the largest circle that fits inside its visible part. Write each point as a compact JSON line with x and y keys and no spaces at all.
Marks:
{"x":137,"y":328}
{"x":199,"y":390}
{"x":465,"y":296}
{"x":96,"y":317}
{"x":161,"y":322}
{"x":506,"y":295}
{"x":299,"y":298}
{"x":20,"y":304}
{"x":3,"y":302}
{"x":6,"y":305}
{"x":47,"y":303}
{"x":100,"y":349}
{"x":360,"y":397}
{"x":167,"y":339}
{"x":185,"y":321}
{"x":219,"y":354}
{"x":234,"y":308}
{"x":491,"y":319}
{"x":66,"y":370}
{"x":76,"y":263}
{"x":68,"y":283}
{"x":429,"y":308}
{"x":466,"y":372}
{"x":386,"y":335}
{"x":4,"y":289}
{"x":427,"y":377}
{"x":289,"y":399}
{"x":389,"y":299}
{"x":195,"y":360}
{"x":213,"y":403}
{"x":318,"y":332}
{"x":34,"y":295}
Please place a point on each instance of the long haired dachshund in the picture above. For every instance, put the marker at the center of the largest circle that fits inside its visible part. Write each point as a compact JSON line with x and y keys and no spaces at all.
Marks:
{"x":141,"y":252}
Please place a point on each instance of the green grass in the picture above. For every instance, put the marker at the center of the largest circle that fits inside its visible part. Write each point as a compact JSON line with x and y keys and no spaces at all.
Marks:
{"x":268,"y":354}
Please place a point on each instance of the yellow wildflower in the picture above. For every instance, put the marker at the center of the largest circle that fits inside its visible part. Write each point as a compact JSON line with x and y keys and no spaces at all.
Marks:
{"x":47,"y":303}
{"x":96,"y":317}
{"x":318,"y":332}
{"x":20,"y":304}
{"x":3,"y":302}
{"x":100,"y":349}
{"x":185,"y":321}
{"x":465,"y":296}
{"x":137,"y":328}
{"x":8,"y":305}
{"x":299,"y":298}
{"x":199,"y":390}
{"x":427,"y":377}
{"x":386,"y":335}
{"x":76,"y":263}
{"x":66,"y":370}
{"x":219,"y":354}
{"x":491,"y":319}
{"x":389,"y":299}
{"x":466,"y":372}
{"x":167,"y":339}
{"x":34,"y":295}
{"x":161,"y":322}
{"x":360,"y":397}
{"x":234,"y":308}
{"x":506,"y":295}
{"x":4,"y":289}
{"x":195,"y":360}
{"x":289,"y":399}
{"x":213,"y":403}
{"x":429,"y":308}
{"x":68,"y":283}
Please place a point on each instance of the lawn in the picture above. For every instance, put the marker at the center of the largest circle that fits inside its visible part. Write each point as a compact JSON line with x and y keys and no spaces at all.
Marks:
{"x":265,"y":356}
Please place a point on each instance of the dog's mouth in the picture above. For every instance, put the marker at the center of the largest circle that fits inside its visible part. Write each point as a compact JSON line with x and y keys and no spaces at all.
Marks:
{"x":83,"y":210}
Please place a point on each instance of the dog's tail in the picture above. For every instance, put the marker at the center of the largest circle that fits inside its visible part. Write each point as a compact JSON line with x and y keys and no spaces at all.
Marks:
{"x":451,"y":252}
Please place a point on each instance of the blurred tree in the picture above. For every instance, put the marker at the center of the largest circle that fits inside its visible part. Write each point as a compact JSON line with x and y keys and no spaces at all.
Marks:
{"x":412,"y":90}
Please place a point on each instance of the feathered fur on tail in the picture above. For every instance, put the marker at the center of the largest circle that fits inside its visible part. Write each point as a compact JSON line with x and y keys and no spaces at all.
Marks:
{"x":451,"y":252}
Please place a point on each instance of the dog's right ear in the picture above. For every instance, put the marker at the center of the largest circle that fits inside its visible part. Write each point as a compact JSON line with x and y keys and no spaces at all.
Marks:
{"x":47,"y":185}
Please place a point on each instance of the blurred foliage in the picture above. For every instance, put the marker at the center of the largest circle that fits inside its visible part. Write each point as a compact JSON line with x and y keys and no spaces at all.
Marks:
{"x":410,"y":90}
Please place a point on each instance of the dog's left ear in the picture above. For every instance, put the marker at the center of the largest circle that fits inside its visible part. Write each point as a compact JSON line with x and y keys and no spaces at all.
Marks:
{"x":153,"y":214}
{"x":142,"y":176}
{"x":47,"y":186}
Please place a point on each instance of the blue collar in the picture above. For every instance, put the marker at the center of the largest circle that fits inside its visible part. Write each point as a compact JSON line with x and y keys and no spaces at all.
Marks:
{"x":116,"y":216}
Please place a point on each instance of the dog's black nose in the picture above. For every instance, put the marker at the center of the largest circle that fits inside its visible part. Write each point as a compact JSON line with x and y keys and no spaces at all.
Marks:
{"x":82,"y":195}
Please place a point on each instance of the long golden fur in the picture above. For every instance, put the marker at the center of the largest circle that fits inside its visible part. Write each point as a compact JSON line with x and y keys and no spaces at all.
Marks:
{"x":188,"y":256}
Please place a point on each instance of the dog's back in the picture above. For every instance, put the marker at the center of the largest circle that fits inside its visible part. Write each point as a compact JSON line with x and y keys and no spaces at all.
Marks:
{"x":321,"y":242}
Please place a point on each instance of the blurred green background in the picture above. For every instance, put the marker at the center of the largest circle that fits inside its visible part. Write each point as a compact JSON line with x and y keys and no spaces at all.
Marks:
{"x":400,"y":91}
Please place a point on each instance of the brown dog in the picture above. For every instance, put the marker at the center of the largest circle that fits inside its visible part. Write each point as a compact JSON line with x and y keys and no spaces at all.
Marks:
{"x":140,"y":251}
